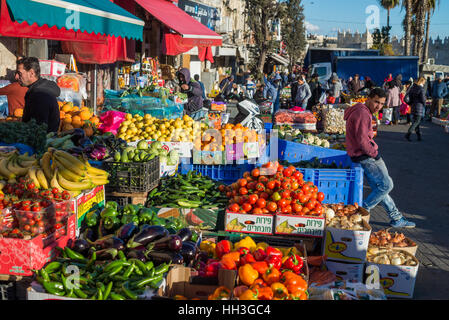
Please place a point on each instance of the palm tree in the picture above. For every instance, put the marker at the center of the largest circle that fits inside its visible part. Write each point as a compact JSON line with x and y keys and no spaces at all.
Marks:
{"x":419,"y":10}
{"x":432,"y":5}
{"x":388,"y":5}
{"x":407,"y":23}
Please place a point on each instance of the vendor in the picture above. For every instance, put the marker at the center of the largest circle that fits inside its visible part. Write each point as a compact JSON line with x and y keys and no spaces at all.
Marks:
{"x":15,"y":94}
{"x":40,"y":100}
{"x":194,"y":93}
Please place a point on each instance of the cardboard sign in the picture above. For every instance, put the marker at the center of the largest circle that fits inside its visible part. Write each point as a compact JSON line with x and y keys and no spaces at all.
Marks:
{"x":184,"y":148}
{"x":307,"y":226}
{"x":249,"y":223}
{"x":89,"y":201}
{"x":346,"y":271}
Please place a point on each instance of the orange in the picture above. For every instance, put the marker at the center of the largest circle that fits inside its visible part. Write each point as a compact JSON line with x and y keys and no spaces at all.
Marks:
{"x":60,"y":103}
{"x":77,"y":123}
{"x":85,"y":115}
{"x":76,"y":119}
{"x":75,"y":109}
{"x":18,"y":112}
{"x":95,"y":120}
{"x":66,"y":108}
{"x":67,"y":120}
{"x":61,"y":114}
{"x":67,"y":126}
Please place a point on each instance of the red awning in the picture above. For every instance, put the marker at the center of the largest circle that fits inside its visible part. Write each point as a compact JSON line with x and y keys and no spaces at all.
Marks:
{"x":9,"y":28}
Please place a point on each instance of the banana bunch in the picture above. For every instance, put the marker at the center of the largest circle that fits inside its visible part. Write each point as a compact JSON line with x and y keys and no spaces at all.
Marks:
{"x":64,"y":171}
{"x":14,"y":165}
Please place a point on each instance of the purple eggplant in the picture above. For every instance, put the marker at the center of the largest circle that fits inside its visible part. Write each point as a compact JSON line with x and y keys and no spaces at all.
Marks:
{"x":185,"y":234}
{"x":189,"y":251}
{"x":126,"y":231}
{"x":107,"y":254}
{"x":77,"y":135}
{"x":81,"y":246}
{"x":109,"y":241}
{"x":171,"y":242}
{"x":159,"y":257}
{"x":147,"y":235}
{"x":137,"y":253}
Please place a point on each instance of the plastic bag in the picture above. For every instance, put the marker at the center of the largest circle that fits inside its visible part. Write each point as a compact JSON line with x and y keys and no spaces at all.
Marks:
{"x":388,"y":114}
{"x":110,"y":121}
{"x":405,"y":109}
{"x":73,"y":81}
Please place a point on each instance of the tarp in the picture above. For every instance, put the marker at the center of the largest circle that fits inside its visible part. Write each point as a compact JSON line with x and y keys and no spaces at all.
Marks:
{"x":99,"y":17}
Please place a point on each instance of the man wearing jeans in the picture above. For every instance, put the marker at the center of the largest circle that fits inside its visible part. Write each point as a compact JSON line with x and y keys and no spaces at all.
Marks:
{"x":362,"y":149}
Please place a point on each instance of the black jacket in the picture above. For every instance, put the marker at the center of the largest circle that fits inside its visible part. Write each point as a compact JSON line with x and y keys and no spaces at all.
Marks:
{"x":41,"y":104}
{"x":417,"y":96}
{"x":194,"y":94}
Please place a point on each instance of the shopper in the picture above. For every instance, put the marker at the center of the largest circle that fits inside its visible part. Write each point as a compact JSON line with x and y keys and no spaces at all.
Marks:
{"x":393,"y":101}
{"x":405,"y":107}
{"x":362,"y":149}
{"x":439,"y":91}
{"x":226,"y":86}
{"x":250,"y":87}
{"x":15,"y":94}
{"x":272,"y":91}
{"x":303,"y":94}
{"x":335,"y":89}
{"x":355,"y":85}
{"x":398,"y":82}
{"x":40,"y":99}
{"x":197,"y":79}
{"x":417,"y":95}
{"x":369,"y":84}
{"x":316,"y":90}
{"x":260,"y":96}
{"x":194,"y":104}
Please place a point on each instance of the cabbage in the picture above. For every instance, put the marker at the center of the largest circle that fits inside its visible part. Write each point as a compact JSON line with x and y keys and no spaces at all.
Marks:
{"x":172,"y":162}
{"x":156,"y":145}
{"x":142,"y":145}
{"x":325,"y":144}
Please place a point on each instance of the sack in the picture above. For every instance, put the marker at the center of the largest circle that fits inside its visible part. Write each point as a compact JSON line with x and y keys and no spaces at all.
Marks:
{"x":388,"y":114}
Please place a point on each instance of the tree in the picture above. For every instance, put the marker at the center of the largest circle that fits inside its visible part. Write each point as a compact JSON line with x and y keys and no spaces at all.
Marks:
{"x":420,"y":8}
{"x":388,"y":5}
{"x":381,"y":43}
{"x":407,"y":23}
{"x":432,"y":4}
{"x":260,"y":14}
{"x":294,"y":30}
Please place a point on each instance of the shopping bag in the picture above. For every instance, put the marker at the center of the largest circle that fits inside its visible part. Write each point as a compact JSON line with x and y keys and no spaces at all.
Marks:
{"x":388,"y":114}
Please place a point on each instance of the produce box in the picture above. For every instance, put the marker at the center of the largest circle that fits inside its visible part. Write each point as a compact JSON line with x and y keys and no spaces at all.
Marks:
{"x":205,"y":219}
{"x":184,"y":148}
{"x":307,"y":226}
{"x":208,"y":157}
{"x":346,"y":270}
{"x":166,"y":170}
{"x":397,"y":281}
{"x":181,"y":282}
{"x":224,"y":173}
{"x":20,"y":256}
{"x":86,"y":202}
{"x":346,"y":245}
{"x":249,"y":223}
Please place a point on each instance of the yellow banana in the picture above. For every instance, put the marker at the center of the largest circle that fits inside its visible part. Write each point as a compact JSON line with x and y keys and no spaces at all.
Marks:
{"x":14,"y":167}
{"x":73,"y":186}
{"x":69,"y":165}
{"x":66,"y":172}
{"x":54,"y":182}
{"x":96,"y":172}
{"x":73,"y":160}
{"x":41,"y":178}
{"x":45,"y":165}
{"x":32,"y":175}
{"x":99,"y":181}
{"x":4,"y":170}
{"x":74,"y":194}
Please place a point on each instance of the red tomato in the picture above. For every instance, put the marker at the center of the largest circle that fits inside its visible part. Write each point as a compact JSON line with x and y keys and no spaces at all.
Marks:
{"x":272,"y":206}
{"x":286,"y":185}
{"x":303,"y":198}
{"x":306,"y":188}
{"x":271,"y":184}
{"x":242,"y":182}
{"x":264,"y":195}
{"x":261,"y":203}
{"x":280,"y":168}
{"x":263,"y":179}
{"x":246,"y":174}
{"x":234,"y":207}
{"x":27,"y":227}
{"x":255,"y":172}
{"x":265,"y":211}
{"x":305,"y":211}
{"x":247,"y":207}
{"x":310,"y":205}
{"x":243,"y":191}
{"x":252,"y":199}
{"x":285,"y":194}
{"x":295,"y":185}
{"x":257,"y":211}
{"x":297,"y":175}
{"x":282,"y":203}
{"x":287,"y":209}
{"x":320,"y":196}
{"x":318,"y":209}
{"x":287,"y":172}
{"x":260,"y":187}
{"x":297,"y":207}
{"x":251,"y":185}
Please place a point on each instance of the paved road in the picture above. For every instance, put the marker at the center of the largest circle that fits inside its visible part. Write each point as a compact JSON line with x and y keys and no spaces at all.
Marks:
{"x":420,"y":171}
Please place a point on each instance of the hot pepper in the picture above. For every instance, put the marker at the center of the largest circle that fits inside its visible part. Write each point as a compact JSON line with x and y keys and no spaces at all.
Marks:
{"x":274,"y":261}
{"x":223,"y":247}
{"x":260,"y":255}
{"x":248,"y":274}
{"x":294,"y":262}
{"x":272,"y":275}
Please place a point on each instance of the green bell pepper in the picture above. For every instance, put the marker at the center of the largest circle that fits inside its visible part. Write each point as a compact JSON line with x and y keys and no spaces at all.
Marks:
{"x":111,"y":222}
{"x":128,"y":218}
{"x":92,"y":218}
{"x":112,"y":205}
{"x":156,"y":221}
{"x":130,"y":209}
{"x":109,"y":212}
{"x":145,"y":216}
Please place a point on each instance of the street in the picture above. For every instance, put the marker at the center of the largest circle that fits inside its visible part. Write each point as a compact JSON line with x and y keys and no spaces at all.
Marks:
{"x":420,"y":172}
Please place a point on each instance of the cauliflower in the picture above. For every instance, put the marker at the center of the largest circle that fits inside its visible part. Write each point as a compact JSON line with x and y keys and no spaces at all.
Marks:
{"x":325,"y":144}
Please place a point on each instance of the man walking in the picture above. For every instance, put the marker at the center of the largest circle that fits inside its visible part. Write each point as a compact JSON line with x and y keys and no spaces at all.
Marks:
{"x":439,"y":91}
{"x":362,"y":149}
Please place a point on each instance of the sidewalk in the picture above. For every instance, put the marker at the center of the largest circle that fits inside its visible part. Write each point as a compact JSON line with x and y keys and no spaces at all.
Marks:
{"x":420,"y":172}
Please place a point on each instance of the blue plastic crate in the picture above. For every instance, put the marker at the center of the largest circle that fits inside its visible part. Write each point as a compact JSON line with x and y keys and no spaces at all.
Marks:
{"x":225,"y":173}
{"x":338,"y":185}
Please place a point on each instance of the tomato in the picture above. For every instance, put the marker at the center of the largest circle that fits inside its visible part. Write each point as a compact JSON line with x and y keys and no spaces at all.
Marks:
{"x":297,"y":175}
{"x":246,"y":174}
{"x":271,"y":184}
{"x":282,"y":203}
{"x":35,"y":230}
{"x":272,"y":206}
{"x":264,"y":195}
{"x":228,"y":194}
{"x":40,"y":223}
{"x":36,"y":208}
{"x":276,"y":196}
{"x":255,"y":172}
{"x":54,"y":190}
{"x":313,"y":195}
{"x":320,"y":196}
{"x":263,"y":179}
{"x":295,"y":185}
{"x":221,"y":188}
{"x":260,"y":187}
{"x":297,"y":207}
{"x":257,"y":211}
{"x":280,"y":168}
{"x":251,"y":185}
{"x":234,"y":207}
{"x":252,"y":199}
{"x":27,"y":227}
{"x":286,"y":185}
{"x":303,"y":198}
{"x":265,"y":211}
{"x":306,"y":188}
{"x":287,"y":209}
{"x":310,"y":205}
{"x":261,"y":203}
{"x":285,"y":194}
{"x":287,"y":172}
{"x":243,"y":191}
{"x":319,"y":209}
{"x":242,"y":182}
{"x":305,"y":211}
{"x":247,"y":207}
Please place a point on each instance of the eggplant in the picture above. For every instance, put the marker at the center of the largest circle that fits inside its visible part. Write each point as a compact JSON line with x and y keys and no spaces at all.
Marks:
{"x":109,"y":241}
{"x":81,"y":246}
{"x":107,"y":254}
{"x":126,"y":231}
{"x":185,"y":234}
{"x":189,"y":251}
{"x":147,"y":235}
{"x":171,"y":242}
{"x":202,"y":256}
{"x":77,"y":135}
{"x":159,"y":257}
{"x":137,"y":253}
{"x":89,"y":235}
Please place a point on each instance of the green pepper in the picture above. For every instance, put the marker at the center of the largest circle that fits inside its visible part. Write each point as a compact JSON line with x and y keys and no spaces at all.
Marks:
{"x":116,"y":296}
{"x":128,"y":218}
{"x":130,"y":209}
{"x":145,"y":281}
{"x":159,"y":221}
{"x":161,"y":269}
{"x":145,"y":216}
{"x":74,"y":255}
{"x":80,"y":294}
{"x":111,"y":222}
{"x":92,"y":259}
{"x":121,"y":255}
{"x":109,"y":212}
{"x":155,"y":284}
{"x":53,"y":267}
{"x":141,"y":266}
{"x":114,"y":264}
{"x":194,"y":236}
{"x":44,"y":275}
{"x":108,"y":290}
{"x":129,"y":270}
{"x":92,"y":218}
{"x":111,"y":204}
{"x":128,"y":292}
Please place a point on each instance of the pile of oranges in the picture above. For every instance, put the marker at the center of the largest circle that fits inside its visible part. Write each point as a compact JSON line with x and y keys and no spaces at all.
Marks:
{"x":75,"y":117}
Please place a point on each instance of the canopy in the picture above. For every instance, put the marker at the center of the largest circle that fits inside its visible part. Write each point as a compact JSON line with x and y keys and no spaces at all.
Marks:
{"x":279,"y":59}
{"x":88,"y":17}
{"x":189,"y":32}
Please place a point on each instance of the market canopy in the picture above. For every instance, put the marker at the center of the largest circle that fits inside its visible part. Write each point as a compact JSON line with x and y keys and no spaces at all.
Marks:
{"x":87,"y":17}
{"x":189,"y":32}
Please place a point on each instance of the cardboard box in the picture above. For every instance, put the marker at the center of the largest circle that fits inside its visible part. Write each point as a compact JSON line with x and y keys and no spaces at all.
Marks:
{"x":412,"y":250}
{"x":181,"y":282}
{"x":307,"y":226}
{"x":346,"y":245}
{"x":205,"y":219}
{"x":167,"y":171}
{"x":208,"y":157}
{"x":249,"y":223}
{"x":184,"y":148}
{"x":87,"y":201}
{"x":397,"y":281}
{"x":19,"y":256}
{"x":346,"y":270}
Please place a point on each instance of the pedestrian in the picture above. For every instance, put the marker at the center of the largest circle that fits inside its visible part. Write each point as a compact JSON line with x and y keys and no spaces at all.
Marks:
{"x":197,"y":79}
{"x":226,"y":86}
{"x":250,"y":87}
{"x":303,"y":94}
{"x":417,"y":97}
{"x":15,"y":94}
{"x":272,"y":91}
{"x":439,"y":91}
{"x":405,"y":107}
{"x":362,"y":149}
{"x":355,"y":85}
{"x":40,"y":99}
{"x":194,"y":104}
{"x":393,"y":101}
{"x":335,"y":89}
{"x":260,"y":96}
{"x":398,"y":82}
{"x":316,"y":90}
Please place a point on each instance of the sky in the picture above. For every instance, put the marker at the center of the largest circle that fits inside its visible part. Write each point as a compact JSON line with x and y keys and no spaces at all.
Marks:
{"x":325,"y":17}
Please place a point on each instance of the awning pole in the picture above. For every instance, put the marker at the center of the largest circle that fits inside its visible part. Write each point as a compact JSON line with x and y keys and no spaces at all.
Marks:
{"x":95,"y":89}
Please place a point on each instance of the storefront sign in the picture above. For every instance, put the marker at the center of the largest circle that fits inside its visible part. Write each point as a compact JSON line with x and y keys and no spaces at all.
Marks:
{"x":208,"y":16}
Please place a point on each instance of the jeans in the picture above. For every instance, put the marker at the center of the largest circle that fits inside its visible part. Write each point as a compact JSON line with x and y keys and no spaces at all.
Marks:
{"x":415,"y":125}
{"x":436,"y":106}
{"x":395,"y":114}
{"x":381,"y":184}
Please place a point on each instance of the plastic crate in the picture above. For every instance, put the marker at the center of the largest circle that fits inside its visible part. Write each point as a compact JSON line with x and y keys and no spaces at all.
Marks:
{"x":338,"y":185}
{"x":121,"y":201}
{"x":133,"y":176}
{"x":225,"y":173}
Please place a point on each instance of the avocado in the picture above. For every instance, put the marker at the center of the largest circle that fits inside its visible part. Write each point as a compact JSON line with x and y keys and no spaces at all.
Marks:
{"x":124,"y":157}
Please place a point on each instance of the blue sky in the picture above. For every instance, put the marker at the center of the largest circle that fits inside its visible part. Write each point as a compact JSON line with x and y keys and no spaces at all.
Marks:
{"x":327,"y":16}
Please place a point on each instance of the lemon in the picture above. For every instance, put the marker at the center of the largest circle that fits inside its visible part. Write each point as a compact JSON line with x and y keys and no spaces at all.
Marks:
{"x":128,"y":116}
